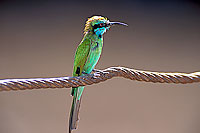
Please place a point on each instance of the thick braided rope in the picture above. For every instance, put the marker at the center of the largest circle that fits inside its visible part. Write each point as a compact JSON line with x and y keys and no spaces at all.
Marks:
{"x":99,"y":76}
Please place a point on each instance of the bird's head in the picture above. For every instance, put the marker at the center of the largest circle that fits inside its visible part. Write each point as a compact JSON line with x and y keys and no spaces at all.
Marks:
{"x":99,"y":25}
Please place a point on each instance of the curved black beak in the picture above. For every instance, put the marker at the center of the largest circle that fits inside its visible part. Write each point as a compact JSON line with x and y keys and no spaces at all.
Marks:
{"x":117,"y":23}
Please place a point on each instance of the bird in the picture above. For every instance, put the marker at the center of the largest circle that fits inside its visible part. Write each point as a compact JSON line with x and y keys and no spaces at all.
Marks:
{"x":86,"y":57}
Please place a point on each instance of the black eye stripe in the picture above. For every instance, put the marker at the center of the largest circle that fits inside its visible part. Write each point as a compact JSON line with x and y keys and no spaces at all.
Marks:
{"x":99,"y":25}
{"x":96,"y":26}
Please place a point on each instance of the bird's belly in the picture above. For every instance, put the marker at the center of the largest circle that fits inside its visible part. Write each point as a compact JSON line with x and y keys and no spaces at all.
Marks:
{"x":92,"y":60}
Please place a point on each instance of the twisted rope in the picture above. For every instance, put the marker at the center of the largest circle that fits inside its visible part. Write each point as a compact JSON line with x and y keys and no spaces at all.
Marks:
{"x":99,"y":76}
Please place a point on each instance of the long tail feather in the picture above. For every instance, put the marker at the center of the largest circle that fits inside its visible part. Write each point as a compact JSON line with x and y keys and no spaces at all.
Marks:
{"x":74,"y":111}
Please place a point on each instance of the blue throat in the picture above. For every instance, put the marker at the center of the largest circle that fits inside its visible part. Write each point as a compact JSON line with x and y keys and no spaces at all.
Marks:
{"x":100,"y":31}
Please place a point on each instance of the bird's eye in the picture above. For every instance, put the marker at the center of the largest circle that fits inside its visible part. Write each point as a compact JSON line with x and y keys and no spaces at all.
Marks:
{"x":102,"y":24}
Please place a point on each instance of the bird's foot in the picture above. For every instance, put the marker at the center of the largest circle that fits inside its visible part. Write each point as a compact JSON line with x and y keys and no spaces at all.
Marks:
{"x":84,"y":72}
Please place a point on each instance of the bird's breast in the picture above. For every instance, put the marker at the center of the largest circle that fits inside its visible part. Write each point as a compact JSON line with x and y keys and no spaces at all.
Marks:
{"x":93,"y":57}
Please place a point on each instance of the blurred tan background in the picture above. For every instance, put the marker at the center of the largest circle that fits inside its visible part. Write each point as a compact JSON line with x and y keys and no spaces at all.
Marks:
{"x":38,"y":39}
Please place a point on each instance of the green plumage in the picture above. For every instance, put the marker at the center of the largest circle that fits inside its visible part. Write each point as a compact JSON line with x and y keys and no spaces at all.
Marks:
{"x":86,"y":57}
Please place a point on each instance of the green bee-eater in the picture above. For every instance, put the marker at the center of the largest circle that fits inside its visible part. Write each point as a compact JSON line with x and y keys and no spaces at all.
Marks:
{"x":86,"y":57}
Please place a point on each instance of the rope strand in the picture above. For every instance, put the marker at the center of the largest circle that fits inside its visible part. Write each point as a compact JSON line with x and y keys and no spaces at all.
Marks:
{"x":98,"y":76}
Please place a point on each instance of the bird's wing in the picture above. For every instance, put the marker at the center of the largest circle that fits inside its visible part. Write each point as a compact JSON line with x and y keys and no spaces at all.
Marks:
{"x":81,"y":55}
{"x":80,"y":59}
